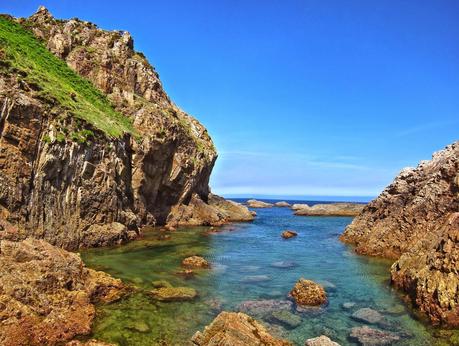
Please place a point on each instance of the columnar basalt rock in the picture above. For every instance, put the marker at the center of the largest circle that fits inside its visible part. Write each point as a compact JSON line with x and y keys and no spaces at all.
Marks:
{"x":76,"y":194}
{"x":415,"y":221}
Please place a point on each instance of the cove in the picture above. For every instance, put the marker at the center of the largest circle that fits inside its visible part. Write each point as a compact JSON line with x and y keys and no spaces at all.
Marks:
{"x":250,"y":261}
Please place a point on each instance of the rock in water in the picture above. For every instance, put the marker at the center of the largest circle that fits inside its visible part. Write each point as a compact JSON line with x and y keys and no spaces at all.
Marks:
{"x":81,"y":183}
{"x":367,"y":336}
{"x":308,"y":293}
{"x":288,"y":234}
{"x":368,"y":315}
{"x":265,"y":307}
{"x":47,"y":294}
{"x":235,"y":329}
{"x":195,"y":262}
{"x":253,"y":203}
{"x":329,"y":209}
{"x":286,"y":318}
{"x":282,"y":204}
{"x":253,"y":279}
{"x":321,"y":341}
{"x":173,"y":294}
{"x":415,"y":220}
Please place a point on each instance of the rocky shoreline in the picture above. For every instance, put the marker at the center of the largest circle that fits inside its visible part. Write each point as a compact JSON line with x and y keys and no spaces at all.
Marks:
{"x":415,"y":222}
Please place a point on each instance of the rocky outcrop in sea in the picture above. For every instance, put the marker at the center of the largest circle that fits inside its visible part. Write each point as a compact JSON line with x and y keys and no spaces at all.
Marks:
{"x":415,"y":221}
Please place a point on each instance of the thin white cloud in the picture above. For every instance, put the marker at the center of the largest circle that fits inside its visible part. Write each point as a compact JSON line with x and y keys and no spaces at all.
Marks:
{"x":425,"y":127}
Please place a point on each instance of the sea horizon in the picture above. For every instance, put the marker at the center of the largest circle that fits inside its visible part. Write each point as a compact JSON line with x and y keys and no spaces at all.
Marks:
{"x":303,"y":198}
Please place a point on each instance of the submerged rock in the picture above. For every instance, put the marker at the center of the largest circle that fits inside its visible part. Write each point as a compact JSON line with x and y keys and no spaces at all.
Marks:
{"x":252,"y":279}
{"x":415,"y":221}
{"x":171,"y":294}
{"x":286,"y":318}
{"x":321,"y":341}
{"x":368,"y":315}
{"x":284,"y":264}
{"x":253,"y":203}
{"x":235,"y":329}
{"x":330,"y":209}
{"x":92,"y":342}
{"x":308,"y":293}
{"x":195,"y":262}
{"x":47,"y":294}
{"x":367,"y":336}
{"x":289,"y":234}
{"x":348,"y":305}
{"x":264,"y":307}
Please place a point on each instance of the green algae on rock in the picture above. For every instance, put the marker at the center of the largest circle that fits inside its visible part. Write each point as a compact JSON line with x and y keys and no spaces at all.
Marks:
{"x":173,"y":294}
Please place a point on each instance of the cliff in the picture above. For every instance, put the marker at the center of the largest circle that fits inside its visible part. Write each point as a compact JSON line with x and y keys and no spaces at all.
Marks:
{"x":415,"y":220}
{"x":91,"y":146}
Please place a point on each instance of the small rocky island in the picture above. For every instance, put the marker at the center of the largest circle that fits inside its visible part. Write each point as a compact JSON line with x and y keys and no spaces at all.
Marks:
{"x":328,"y":209}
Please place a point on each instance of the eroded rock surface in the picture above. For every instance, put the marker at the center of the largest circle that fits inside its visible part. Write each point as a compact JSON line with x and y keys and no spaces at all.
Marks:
{"x":289,"y":234}
{"x":253,"y":203}
{"x":236,"y":329}
{"x":308,"y":293}
{"x":321,"y":341}
{"x":101,"y":190}
{"x":47,"y":295}
{"x":415,"y":221}
{"x":329,"y":209}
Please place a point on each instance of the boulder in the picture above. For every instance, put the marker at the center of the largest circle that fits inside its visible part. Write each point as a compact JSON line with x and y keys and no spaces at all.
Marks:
{"x":367,"y":315}
{"x":195,"y":262}
{"x":47,"y":294}
{"x":308,"y":293}
{"x":321,"y":341}
{"x":236,"y":329}
{"x":289,"y":234}
{"x":330,"y":209}
{"x":367,"y":336}
{"x":253,"y":203}
{"x":298,"y":206}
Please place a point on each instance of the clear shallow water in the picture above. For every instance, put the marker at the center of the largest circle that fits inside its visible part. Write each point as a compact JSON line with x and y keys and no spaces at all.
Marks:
{"x":237,"y":254}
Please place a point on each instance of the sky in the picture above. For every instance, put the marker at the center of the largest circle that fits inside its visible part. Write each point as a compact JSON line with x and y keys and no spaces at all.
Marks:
{"x":303,"y":98}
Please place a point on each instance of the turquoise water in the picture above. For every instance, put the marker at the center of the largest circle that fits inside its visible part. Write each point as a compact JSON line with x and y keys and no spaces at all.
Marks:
{"x":243,"y":258}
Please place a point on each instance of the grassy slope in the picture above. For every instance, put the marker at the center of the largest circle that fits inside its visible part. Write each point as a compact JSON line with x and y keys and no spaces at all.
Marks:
{"x":57,"y":81}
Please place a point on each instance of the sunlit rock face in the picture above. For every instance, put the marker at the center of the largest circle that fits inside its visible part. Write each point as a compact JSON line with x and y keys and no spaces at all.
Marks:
{"x":102,"y":191}
{"x":415,"y":220}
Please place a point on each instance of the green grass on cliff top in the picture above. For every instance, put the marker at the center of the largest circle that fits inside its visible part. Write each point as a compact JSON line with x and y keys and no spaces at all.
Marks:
{"x":56,"y":81}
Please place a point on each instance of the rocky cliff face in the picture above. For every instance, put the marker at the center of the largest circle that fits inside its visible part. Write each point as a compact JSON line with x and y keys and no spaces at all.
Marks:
{"x":64,"y":180}
{"x":415,"y":220}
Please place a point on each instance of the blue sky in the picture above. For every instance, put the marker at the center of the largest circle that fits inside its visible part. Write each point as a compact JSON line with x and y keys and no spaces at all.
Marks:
{"x":323,"y":97}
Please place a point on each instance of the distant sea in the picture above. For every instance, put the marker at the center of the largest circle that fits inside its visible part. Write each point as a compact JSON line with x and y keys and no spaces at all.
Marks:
{"x":301,"y":199}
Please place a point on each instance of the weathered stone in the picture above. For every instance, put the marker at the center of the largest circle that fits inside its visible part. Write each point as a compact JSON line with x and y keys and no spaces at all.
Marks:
{"x":47,"y":293}
{"x":329,"y":209}
{"x":172,"y":294}
{"x":195,"y":262}
{"x":91,"y":342}
{"x":321,"y":341}
{"x":348,"y":305}
{"x":286,"y":318}
{"x":282,"y":204}
{"x":289,"y":234}
{"x":367,"y":336}
{"x":367,"y":315}
{"x":416,"y":221}
{"x":253,"y":203}
{"x":236,"y":329}
{"x":265,"y":307}
{"x":308,"y":293}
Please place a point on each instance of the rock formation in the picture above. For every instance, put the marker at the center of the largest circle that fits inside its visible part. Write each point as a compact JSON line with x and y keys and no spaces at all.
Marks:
{"x":288,"y":234}
{"x":253,"y":203}
{"x":95,"y":177}
{"x":308,"y":293}
{"x":47,"y":295}
{"x":236,"y":329}
{"x":321,"y":341}
{"x":329,"y":209}
{"x":282,"y":204}
{"x":415,"y":220}
{"x":195,"y":262}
